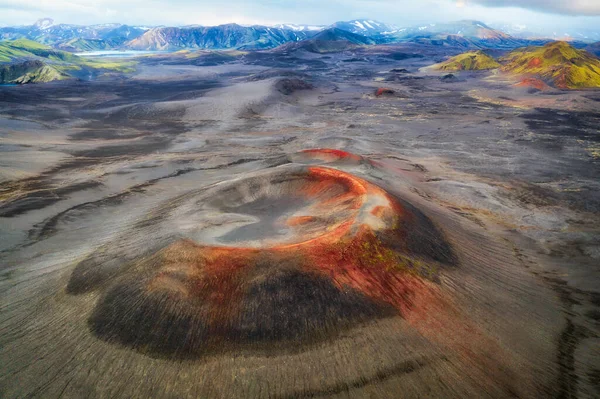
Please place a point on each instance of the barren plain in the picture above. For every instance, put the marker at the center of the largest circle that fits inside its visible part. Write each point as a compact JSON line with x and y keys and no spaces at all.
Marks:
{"x":290,"y":224}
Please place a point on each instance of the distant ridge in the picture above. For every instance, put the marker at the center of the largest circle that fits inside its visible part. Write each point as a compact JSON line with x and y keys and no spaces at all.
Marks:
{"x":57,"y":35}
{"x":594,"y":48}
{"x":465,"y":34}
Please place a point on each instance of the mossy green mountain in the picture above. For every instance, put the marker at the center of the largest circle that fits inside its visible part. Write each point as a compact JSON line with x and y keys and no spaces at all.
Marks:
{"x":469,"y":61}
{"x":558,"y":63}
{"x":30,"y":72}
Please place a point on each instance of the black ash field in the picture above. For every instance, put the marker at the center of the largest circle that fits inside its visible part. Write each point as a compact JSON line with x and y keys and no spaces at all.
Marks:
{"x":286,"y":223}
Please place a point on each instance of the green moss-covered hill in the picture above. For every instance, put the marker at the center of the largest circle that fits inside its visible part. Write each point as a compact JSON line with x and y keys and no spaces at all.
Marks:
{"x":558,"y":63}
{"x":25,"y":61}
{"x":469,"y":61}
{"x":33,"y":71}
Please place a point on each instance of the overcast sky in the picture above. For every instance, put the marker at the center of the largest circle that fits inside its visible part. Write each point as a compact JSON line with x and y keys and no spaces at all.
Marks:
{"x":552,"y":14}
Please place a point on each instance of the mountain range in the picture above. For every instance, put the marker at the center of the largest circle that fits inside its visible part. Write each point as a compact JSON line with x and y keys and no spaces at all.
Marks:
{"x":58,"y":35}
{"x":216,"y":37}
{"x":465,"y":34}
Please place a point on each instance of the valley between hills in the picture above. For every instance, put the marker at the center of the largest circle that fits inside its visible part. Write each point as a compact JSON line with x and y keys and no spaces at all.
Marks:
{"x":305,"y":212}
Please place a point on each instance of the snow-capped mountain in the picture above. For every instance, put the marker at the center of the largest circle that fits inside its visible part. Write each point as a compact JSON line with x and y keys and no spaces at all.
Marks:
{"x":533,"y":32}
{"x":466,"y":33}
{"x":44,"y":23}
{"x":365,"y":27}
{"x":300,"y":28}
{"x":216,"y":37}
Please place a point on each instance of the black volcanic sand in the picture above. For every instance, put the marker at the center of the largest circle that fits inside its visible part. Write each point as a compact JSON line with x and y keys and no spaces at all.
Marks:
{"x":508,"y":178}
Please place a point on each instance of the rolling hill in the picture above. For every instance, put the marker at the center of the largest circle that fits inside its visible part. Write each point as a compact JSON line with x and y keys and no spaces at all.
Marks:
{"x":469,"y":61}
{"x":558,"y":63}
{"x":30,"y":72}
{"x":25,"y":61}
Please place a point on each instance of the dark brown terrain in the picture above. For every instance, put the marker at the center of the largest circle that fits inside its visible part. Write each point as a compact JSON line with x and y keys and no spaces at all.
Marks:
{"x":286,"y":224}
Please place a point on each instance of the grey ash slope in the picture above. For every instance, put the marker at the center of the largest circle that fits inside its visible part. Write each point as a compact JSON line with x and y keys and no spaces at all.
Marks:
{"x":329,"y":41}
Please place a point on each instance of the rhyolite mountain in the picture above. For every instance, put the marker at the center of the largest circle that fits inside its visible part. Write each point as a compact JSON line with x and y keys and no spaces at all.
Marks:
{"x":558,"y":63}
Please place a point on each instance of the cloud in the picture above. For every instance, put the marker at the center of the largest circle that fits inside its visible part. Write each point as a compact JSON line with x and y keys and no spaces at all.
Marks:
{"x":324,"y":12}
{"x":209,"y":12}
{"x":571,"y":7}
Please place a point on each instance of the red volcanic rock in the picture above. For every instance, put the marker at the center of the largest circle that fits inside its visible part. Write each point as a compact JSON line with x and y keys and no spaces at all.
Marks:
{"x":301,"y":220}
{"x":535,"y":62}
{"x":328,"y":155}
{"x":334,"y":250}
{"x":533,"y":83}
{"x":384,"y":91}
{"x":354,"y":252}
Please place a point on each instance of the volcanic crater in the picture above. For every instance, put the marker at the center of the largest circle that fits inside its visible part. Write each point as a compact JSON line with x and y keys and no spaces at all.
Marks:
{"x":296,"y":255}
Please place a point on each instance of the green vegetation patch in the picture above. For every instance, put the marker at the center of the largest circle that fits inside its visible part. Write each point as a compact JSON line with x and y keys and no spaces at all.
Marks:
{"x":117,"y":66}
{"x":469,"y":61}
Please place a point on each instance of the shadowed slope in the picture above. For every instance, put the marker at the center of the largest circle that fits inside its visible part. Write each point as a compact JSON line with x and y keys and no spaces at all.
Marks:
{"x":330,"y":41}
